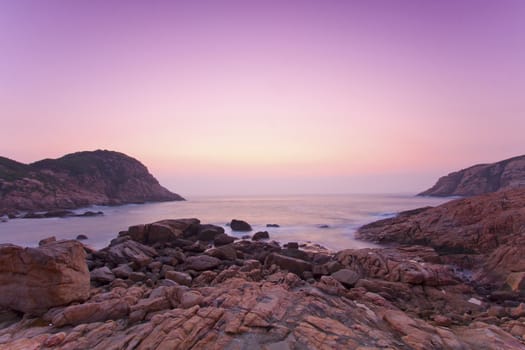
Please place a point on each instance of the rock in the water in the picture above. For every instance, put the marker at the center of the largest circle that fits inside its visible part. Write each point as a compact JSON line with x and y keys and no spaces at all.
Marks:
{"x":81,"y":237}
{"x":91,"y":213}
{"x":272,"y":225}
{"x":261,"y":235}
{"x":240,"y":225}
{"x":32,"y":280}
{"x":162,"y":231}
{"x":202,"y":262}
{"x":122,"y":271}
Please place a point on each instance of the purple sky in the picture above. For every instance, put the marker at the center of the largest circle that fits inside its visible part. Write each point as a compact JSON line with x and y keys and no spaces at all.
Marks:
{"x":266,"y":97}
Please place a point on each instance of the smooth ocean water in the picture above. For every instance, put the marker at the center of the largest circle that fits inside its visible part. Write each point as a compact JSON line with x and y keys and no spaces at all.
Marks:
{"x":299,"y":217}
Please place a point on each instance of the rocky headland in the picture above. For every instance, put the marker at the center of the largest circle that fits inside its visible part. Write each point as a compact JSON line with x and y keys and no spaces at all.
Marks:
{"x":77,"y":180}
{"x":181,"y":284}
{"x":481,"y":179}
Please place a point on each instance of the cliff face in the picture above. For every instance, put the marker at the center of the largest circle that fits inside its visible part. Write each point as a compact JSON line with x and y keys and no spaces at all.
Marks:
{"x":76,"y":180}
{"x":480,"y":179}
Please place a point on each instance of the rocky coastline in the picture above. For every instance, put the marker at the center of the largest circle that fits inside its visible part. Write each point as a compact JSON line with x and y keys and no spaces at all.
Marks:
{"x":181,"y":284}
{"x":74,"y":181}
{"x":481,"y":179}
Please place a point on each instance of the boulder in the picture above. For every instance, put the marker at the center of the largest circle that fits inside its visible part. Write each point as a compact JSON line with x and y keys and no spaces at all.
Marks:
{"x":240,"y":225}
{"x":129,"y":251}
{"x":225,"y":252}
{"x":290,"y":264}
{"x":260,"y":235}
{"x":202,"y":262}
{"x":32,"y":280}
{"x":179,"y":277}
{"x":102,"y":275}
{"x":81,"y":237}
{"x":122,"y":271}
{"x":209,"y":232}
{"x":160,"y":233}
{"x":223,"y":239}
{"x":347,"y":277}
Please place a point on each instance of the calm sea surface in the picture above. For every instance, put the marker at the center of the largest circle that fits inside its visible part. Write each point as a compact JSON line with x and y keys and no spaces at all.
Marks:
{"x":300,"y":218}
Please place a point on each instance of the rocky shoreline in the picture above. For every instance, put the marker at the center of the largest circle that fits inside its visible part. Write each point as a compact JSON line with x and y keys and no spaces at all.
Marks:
{"x":181,"y":284}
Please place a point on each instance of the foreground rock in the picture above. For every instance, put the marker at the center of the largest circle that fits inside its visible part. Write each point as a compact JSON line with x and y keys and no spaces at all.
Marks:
{"x":77,"y":180}
{"x":32,"y":280}
{"x":181,"y":291}
{"x":481,"y":178}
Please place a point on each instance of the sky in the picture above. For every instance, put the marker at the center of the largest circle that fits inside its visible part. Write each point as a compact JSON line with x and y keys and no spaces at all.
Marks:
{"x":267,"y":97}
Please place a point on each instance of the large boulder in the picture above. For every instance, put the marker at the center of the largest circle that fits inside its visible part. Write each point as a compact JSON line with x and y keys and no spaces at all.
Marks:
{"x":162,"y":231}
{"x":32,"y":280}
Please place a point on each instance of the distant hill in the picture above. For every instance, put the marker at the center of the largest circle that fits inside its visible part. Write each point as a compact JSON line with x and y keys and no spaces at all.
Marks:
{"x":79,"y":179}
{"x":481,"y":178}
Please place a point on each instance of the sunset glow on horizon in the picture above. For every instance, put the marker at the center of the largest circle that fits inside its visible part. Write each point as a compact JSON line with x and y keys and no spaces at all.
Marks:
{"x":266,"y":97}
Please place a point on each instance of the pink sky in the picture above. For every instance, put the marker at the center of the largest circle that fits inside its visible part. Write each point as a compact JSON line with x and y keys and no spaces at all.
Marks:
{"x":267,"y":97}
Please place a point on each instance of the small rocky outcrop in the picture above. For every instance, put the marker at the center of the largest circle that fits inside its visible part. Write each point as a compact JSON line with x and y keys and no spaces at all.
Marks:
{"x":32,"y":280}
{"x":77,"y":180}
{"x":480,"y":179}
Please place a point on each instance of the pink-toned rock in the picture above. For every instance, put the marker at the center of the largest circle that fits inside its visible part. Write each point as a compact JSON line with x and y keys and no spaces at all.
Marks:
{"x":33,"y":280}
{"x":290,"y":264}
{"x":129,"y":251}
{"x":91,"y":312}
{"x":179,"y":277}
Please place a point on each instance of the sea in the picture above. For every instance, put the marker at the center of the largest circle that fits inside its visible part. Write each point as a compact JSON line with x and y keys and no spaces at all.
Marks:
{"x":328,"y":220}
